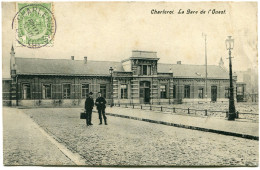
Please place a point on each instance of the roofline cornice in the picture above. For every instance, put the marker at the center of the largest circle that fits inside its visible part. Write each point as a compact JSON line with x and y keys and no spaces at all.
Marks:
{"x":144,"y":51}
{"x":108,"y":75}
{"x":68,"y":75}
{"x":144,"y":58}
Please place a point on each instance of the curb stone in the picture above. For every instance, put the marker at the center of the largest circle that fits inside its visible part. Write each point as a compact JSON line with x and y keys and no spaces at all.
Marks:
{"x":240,"y":135}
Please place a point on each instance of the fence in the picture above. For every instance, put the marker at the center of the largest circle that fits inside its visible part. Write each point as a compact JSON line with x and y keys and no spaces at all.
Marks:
{"x":189,"y":111}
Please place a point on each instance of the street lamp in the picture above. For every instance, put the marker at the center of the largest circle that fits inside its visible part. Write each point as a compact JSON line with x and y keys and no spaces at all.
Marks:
{"x":232,"y":109}
{"x":111,"y":79}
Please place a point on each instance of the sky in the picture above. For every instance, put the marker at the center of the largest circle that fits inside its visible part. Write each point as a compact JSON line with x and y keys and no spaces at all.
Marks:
{"x":106,"y":31}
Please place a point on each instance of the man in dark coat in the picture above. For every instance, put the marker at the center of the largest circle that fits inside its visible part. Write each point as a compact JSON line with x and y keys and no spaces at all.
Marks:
{"x":101,"y":106}
{"x":89,"y":104}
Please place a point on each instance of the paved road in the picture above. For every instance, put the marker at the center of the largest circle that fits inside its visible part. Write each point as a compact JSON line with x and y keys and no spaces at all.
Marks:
{"x":129,"y":142}
{"x":24,"y":144}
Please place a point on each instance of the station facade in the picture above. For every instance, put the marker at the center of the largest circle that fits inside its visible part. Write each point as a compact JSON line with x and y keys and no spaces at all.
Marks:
{"x":137,"y":79}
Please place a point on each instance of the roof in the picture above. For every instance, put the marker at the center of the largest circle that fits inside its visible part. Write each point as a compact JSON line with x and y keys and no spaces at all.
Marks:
{"x":194,"y":71}
{"x":64,"y":66}
{"x":37,"y":66}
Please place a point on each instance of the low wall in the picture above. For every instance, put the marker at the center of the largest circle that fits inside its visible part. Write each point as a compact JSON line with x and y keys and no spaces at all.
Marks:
{"x":208,"y":100}
{"x":126,"y":101}
{"x":162,"y":101}
{"x":81,"y":102}
{"x":7,"y":103}
{"x":52,"y":103}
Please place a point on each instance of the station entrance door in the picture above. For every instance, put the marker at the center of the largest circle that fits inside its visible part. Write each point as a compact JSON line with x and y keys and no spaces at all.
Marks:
{"x":145,"y":89}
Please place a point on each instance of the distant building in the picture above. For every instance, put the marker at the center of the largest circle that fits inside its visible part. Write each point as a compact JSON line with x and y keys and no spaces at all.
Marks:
{"x":240,"y":92}
{"x":247,"y":82}
{"x":137,"y":79}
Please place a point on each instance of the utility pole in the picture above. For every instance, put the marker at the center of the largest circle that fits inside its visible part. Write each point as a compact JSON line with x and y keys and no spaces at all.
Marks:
{"x":206,"y":67}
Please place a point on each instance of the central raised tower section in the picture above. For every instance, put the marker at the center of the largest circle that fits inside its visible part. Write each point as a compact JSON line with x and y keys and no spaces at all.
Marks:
{"x":142,"y":63}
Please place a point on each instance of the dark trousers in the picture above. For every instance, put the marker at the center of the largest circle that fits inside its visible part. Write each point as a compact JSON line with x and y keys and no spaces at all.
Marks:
{"x":89,"y":116}
{"x":101,"y":112}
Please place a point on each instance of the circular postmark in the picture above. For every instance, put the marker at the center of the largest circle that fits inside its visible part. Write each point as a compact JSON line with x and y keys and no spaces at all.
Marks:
{"x":35,"y":25}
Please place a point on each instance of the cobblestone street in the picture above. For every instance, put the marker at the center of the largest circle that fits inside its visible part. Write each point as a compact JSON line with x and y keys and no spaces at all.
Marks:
{"x":130,"y":142}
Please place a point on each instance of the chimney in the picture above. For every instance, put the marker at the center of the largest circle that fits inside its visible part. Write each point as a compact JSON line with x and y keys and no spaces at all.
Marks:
{"x":178,"y":62}
{"x":85,"y":59}
{"x":72,"y":57}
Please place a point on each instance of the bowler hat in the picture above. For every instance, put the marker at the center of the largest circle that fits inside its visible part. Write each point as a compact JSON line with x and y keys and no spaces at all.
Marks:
{"x":90,"y":93}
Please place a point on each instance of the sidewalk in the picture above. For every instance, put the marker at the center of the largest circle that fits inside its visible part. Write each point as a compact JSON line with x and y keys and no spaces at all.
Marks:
{"x":237,"y":128}
{"x":25,"y":144}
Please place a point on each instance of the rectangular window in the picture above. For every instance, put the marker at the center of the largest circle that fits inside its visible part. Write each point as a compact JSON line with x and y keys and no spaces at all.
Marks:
{"x":240,"y":90}
{"x":163,"y":91}
{"x":141,"y":92}
{"x":226,"y":92}
{"x":66,"y":91}
{"x":200,"y":93}
{"x":46,"y":91}
{"x":144,"y":69}
{"x":142,"y":84}
{"x":174,"y":91}
{"x":26,"y":91}
{"x":103,"y":90}
{"x":123,"y":91}
{"x":149,"y":70}
{"x":186,"y":91}
{"x":84,"y":90}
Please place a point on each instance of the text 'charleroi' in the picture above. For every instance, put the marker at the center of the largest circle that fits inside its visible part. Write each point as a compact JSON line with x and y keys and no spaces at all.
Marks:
{"x":188,"y":11}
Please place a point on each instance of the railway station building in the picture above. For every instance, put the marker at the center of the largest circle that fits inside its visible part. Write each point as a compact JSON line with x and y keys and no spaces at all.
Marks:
{"x":138,"y":79}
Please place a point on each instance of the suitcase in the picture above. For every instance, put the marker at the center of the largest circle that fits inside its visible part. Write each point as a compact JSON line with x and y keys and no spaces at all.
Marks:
{"x":83,"y":115}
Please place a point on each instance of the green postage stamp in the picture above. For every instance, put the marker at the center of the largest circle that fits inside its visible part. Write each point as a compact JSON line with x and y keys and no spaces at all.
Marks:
{"x":35,"y":24}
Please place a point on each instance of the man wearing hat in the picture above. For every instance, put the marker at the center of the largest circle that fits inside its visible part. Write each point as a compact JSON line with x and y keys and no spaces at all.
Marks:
{"x":89,"y":104}
{"x":101,"y":106}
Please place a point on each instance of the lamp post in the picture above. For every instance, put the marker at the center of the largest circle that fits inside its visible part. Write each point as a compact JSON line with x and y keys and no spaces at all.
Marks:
{"x":232,"y":109}
{"x":111,"y":79}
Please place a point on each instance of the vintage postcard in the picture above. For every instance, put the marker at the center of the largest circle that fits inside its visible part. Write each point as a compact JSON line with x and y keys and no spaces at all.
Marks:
{"x":130,"y":84}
